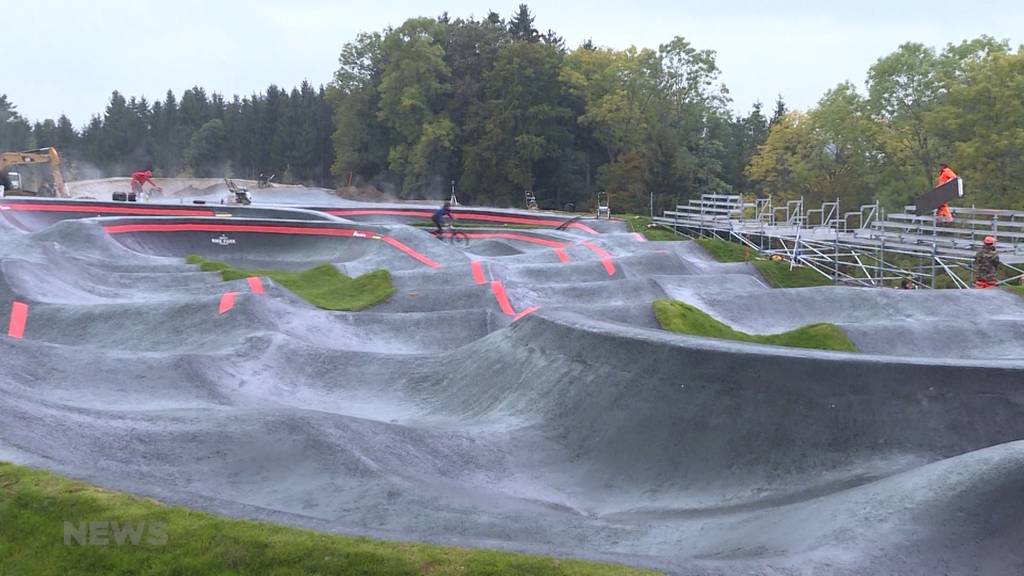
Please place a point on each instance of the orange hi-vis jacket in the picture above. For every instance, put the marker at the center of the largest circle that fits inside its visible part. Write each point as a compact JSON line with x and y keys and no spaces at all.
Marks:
{"x":945,"y":175}
{"x":140,"y":178}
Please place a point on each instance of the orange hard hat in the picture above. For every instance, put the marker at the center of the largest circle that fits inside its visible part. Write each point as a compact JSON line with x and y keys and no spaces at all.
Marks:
{"x":990,"y":240}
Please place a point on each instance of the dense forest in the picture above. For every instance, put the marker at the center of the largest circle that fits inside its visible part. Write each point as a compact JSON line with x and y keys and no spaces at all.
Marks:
{"x":279,"y":132}
{"x":499,"y":107}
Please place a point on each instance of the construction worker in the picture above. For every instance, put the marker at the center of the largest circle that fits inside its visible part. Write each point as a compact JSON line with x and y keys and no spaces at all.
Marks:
{"x":986,"y":264}
{"x":141,"y":178}
{"x":945,"y":175}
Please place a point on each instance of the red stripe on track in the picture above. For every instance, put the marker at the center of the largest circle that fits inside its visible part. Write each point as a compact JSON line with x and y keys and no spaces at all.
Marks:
{"x":558,"y":247}
{"x":499,"y":294}
{"x":462,"y":216}
{"x":107,"y":210}
{"x":268,"y":229}
{"x":520,"y":237}
{"x":477,"y":270}
{"x":583,"y":227}
{"x":419,"y":213}
{"x":423,"y":259}
{"x":264,"y":229}
{"x":227,"y":302}
{"x":639,"y":237}
{"x":19,"y":314}
{"x":527,"y":310}
{"x":255,"y":285}
{"x":522,"y":220}
{"x":606,"y":258}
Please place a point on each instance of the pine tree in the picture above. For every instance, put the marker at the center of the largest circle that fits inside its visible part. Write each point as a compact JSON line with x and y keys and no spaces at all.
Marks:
{"x":205,"y":153}
{"x":269,"y":109}
{"x":44,"y":133}
{"x":494,"y":19}
{"x":15,"y":131}
{"x":66,"y":138}
{"x":780,"y":111}
{"x":521,"y":27}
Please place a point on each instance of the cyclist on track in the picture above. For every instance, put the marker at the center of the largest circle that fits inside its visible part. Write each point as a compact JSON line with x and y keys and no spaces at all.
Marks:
{"x":439,"y":216}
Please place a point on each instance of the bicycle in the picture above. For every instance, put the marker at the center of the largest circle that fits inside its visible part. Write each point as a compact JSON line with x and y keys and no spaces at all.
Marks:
{"x":455,"y":236}
{"x":565,"y":225}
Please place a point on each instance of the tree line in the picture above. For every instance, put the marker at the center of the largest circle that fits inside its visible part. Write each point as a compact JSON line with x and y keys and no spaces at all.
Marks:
{"x":499,"y":108}
{"x":287,"y":133}
{"x":493,"y":105}
{"x":963,"y":106}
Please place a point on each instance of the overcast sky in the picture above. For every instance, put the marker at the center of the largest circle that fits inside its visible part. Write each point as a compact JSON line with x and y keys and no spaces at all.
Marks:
{"x":67,"y":57}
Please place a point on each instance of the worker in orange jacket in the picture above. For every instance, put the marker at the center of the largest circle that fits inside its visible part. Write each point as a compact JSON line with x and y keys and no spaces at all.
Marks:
{"x":141,"y":178}
{"x":945,"y":175}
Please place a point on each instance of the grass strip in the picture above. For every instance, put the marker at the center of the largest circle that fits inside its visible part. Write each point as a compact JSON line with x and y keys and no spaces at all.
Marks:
{"x":683,"y":318}
{"x":322,"y":286}
{"x":42,"y":530}
{"x":653,"y":232}
{"x":725,"y":251}
{"x":779,"y":275}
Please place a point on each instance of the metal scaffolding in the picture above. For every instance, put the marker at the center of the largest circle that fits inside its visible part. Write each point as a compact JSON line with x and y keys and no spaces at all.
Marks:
{"x":863,"y":247}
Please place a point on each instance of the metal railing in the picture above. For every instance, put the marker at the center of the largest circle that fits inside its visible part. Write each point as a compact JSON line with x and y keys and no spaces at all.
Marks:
{"x":863,"y":247}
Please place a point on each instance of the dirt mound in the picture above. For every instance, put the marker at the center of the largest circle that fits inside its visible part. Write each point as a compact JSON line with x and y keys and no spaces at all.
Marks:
{"x":102,"y":188}
{"x":365,"y":193}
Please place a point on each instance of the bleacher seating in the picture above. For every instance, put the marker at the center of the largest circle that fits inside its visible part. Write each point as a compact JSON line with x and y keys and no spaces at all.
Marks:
{"x":965,"y":233}
{"x":709,"y":209}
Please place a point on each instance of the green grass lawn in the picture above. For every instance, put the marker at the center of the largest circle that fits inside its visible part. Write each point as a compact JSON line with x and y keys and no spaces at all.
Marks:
{"x":35,"y":505}
{"x":779,"y":275}
{"x":724,"y":251}
{"x":642,"y":224}
{"x":322,"y":286}
{"x":680,"y":317}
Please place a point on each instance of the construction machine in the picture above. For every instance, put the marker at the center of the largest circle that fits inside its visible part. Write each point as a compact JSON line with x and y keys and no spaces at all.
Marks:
{"x":237,"y":194}
{"x":29,"y":157}
{"x":264,"y":182}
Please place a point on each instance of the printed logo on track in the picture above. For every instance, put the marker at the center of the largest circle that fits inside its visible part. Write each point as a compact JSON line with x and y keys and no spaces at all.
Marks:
{"x":223,"y":240}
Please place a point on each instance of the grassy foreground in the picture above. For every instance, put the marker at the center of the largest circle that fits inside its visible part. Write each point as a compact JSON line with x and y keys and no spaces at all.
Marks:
{"x":35,"y":507}
{"x":680,"y":317}
{"x":322,"y":286}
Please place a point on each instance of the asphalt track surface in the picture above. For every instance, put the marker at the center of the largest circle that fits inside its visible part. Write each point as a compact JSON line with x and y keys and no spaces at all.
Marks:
{"x":517,"y":394}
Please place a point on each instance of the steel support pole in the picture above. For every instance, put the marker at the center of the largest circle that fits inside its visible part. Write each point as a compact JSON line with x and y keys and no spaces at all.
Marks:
{"x":881,"y":262}
{"x":835,"y":268}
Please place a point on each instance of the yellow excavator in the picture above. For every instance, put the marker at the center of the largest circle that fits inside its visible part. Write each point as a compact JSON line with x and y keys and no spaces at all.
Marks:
{"x":28,"y":157}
